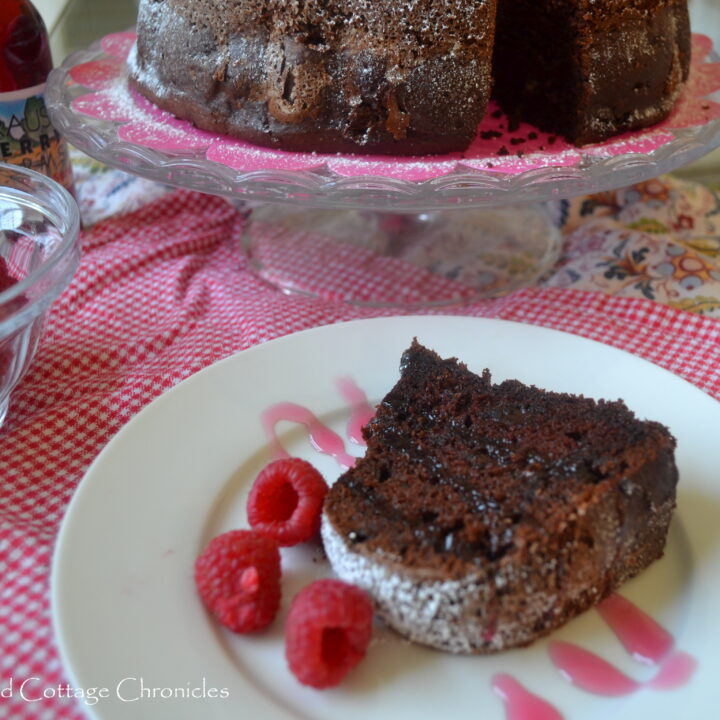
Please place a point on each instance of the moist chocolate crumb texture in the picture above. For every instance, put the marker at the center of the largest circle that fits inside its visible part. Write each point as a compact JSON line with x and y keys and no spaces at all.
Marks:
{"x":411,"y":77}
{"x":483,"y":515}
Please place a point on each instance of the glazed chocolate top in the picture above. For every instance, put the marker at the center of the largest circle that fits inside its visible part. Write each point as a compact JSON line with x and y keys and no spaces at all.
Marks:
{"x":460,"y":470}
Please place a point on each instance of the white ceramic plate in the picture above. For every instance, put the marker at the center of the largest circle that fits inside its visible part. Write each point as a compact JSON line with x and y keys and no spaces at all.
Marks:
{"x":125,"y":609}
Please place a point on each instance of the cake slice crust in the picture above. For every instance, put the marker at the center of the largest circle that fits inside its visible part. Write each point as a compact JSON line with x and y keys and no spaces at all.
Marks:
{"x":485,"y":515}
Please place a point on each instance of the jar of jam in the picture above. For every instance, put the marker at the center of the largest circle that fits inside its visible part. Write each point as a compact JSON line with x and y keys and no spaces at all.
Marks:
{"x":27,"y":136}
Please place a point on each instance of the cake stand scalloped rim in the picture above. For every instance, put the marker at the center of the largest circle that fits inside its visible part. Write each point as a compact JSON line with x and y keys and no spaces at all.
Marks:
{"x":463,"y":187}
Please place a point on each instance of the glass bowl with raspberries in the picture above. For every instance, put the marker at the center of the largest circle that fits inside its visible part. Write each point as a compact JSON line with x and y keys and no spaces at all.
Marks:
{"x":39,"y":254}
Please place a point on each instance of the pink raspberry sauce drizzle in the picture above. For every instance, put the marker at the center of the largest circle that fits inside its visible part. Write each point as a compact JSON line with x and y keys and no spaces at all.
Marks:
{"x":323,"y":439}
{"x":644,"y":639}
{"x":589,"y":672}
{"x":675,"y":671}
{"x":520,"y":703}
{"x":361,"y":412}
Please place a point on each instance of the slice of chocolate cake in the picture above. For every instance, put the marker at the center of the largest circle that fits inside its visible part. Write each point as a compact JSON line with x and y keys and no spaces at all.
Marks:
{"x":485,"y":515}
{"x":590,"y":69}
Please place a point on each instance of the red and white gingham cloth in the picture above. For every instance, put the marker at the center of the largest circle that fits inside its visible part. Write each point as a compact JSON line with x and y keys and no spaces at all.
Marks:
{"x":160,"y":294}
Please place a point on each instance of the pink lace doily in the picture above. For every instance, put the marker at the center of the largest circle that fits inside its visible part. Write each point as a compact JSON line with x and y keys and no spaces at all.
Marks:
{"x":495,"y":149}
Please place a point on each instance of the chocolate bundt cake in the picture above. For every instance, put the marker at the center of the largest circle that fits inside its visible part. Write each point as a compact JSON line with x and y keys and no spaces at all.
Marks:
{"x":483,"y":515}
{"x":324,"y":75}
{"x":412,"y":78}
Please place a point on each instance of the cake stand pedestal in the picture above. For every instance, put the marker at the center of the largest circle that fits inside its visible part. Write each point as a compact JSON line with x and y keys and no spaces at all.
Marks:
{"x":379,"y":258}
{"x":373,"y":230}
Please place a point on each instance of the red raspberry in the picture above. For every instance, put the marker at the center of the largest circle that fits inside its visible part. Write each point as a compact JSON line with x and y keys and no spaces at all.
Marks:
{"x":238,"y":578}
{"x":286,"y":500}
{"x":328,"y":631}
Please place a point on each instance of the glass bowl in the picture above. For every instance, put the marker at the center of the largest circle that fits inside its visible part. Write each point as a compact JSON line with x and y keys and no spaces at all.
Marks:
{"x":39,"y":254}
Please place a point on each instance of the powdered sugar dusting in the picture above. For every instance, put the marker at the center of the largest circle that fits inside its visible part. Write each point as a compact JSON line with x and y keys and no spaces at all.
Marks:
{"x":118,"y":44}
{"x":103,"y":106}
{"x":98,"y":75}
{"x":640,"y":143}
{"x":468,"y":615}
{"x":147,"y":75}
{"x":142,"y":121}
{"x":246,"y":157}
{"x":452,"y":615}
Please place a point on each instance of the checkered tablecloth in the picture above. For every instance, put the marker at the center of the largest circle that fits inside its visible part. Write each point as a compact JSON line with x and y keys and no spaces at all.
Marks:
{"x":163,"y":291}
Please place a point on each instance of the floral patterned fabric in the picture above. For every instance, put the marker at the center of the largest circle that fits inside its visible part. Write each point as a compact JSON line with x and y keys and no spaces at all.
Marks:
{"x":659,"y":239}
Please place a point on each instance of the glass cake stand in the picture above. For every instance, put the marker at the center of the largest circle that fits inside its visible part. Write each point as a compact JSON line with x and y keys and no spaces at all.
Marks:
{"x":375,"y":230}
